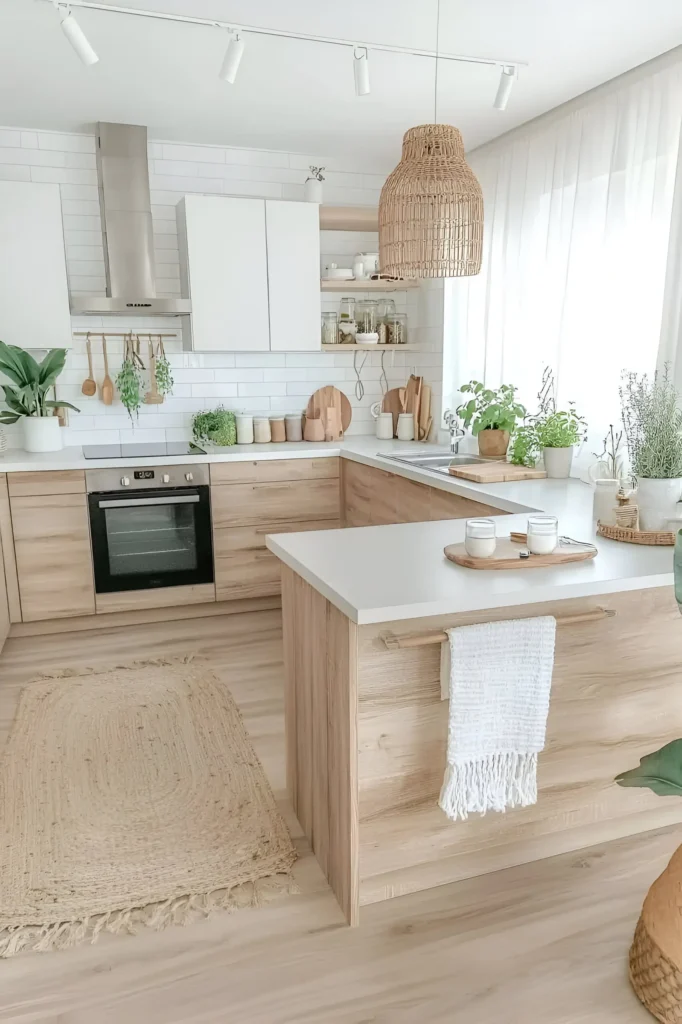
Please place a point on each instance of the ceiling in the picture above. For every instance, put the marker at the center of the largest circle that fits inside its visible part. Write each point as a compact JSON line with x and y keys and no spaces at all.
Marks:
{"x":299,"y":96}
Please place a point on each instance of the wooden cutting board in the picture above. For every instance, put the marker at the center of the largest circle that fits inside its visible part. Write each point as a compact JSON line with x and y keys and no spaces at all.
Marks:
{"x":392,"y":404}
{"x":507,"y":556}
{"x":496,"y":472}
{"x":330,"y":398}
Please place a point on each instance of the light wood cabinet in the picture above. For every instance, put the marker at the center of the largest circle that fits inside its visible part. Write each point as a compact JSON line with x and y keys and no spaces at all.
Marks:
{"x":34,"y":296}
{"x":251,"y":268}
{"x":53,"y":556}
{"x":4,"y":601}
{"x":373,"y":497}
{"x":274,"y":470}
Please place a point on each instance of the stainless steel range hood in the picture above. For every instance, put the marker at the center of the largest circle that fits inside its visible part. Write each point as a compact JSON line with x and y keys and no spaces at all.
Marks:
{"x":125,"y":205}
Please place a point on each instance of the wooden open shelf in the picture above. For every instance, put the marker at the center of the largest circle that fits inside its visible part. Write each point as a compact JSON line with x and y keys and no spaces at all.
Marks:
{"x":369,"y":348}
{"x":368,"y":286}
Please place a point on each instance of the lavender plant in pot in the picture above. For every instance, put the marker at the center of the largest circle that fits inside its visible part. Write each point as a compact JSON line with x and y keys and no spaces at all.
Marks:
{"x":653,"y":427}
{"x":26,"y":396}
{"x":492,"y":416}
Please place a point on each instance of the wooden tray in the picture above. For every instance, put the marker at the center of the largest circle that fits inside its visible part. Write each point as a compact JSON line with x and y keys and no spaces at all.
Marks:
{"x":329,"y":398}
{"x":496,"y":472}
{"x":629,"y":536}
{"x":507,"y":556}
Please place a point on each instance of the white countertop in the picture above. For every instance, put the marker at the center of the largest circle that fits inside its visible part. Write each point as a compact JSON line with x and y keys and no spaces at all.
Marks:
{"x":387,"y":573}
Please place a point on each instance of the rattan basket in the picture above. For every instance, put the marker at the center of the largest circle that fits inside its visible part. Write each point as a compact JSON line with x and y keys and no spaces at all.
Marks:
{"x":656,"y":951}
{"x":624,"y":533}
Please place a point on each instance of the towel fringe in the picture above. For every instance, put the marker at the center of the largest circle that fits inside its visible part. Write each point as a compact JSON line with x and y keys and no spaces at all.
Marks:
{"x":492,"y":783}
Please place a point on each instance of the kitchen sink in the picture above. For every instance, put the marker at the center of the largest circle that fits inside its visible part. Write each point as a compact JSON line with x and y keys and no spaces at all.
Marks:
{"x":439,"y":463}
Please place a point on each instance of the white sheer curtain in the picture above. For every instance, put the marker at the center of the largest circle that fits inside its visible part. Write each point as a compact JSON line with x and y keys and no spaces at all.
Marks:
{"x":577,"y":234}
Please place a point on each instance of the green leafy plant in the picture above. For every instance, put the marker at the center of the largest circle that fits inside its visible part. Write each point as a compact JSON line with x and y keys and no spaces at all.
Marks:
{"x":653,"y":425}
{"x":560,"y":429}
{"x":129,"y":384}
{"x":164,"y":376}
{"x":488,"y":409}
{"x":548,"y":428}
{"x":525,"y":447}
{"x":31,"y":383}
{"x":216,"y":425}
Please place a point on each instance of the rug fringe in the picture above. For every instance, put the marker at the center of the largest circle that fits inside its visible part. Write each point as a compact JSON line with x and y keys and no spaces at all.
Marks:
{"x":70,"y":673}
{"x":179,"y":910}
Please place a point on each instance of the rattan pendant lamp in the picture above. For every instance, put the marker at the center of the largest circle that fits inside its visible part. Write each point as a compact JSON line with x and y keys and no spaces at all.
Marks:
{"x":431,"y":205}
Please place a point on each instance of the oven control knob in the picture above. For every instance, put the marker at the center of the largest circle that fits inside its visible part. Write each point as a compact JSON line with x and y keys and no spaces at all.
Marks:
{"x":189,"y":477}
{"x":165,"y":478}
{"x":125,"y":481}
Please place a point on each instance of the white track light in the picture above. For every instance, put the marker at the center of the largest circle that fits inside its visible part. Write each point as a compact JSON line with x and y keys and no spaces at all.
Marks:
{"x":504,"y":89}
{"x":361,"y":72}
{"x":233,"y":56}
{"x":74,"y":33}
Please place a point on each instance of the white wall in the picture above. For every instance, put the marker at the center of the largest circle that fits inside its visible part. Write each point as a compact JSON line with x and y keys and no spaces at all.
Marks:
{"x":257,"y":382}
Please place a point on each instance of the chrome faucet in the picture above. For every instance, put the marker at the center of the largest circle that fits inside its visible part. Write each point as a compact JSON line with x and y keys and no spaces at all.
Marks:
{"x":456,"y":432}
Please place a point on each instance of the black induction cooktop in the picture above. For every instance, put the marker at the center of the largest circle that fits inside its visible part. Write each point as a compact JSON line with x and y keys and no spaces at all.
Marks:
{"x":161,"y":450}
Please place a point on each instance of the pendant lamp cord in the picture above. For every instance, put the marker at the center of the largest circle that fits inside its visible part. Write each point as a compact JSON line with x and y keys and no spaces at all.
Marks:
{"x":435,"y":77}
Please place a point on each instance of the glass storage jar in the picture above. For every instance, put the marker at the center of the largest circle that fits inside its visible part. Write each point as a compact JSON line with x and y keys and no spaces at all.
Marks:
{"x":330,"y":329}
{"x":385,"y":310}
{"x":397,"y":330}
{"x":347,"y":325}
{"x":366,"y":316}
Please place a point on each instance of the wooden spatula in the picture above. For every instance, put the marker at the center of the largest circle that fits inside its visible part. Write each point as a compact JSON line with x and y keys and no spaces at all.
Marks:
{"x":106,"y":391}
{"x":89,"y":386}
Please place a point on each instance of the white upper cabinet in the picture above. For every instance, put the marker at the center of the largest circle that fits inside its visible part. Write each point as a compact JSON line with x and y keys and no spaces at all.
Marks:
{"x":251,"y":268}
{"x":293,"y":234}
{"x":34,"y":294}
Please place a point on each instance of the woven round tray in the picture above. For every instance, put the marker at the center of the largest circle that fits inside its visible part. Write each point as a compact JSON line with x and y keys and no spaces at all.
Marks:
{"x":661,"y":538}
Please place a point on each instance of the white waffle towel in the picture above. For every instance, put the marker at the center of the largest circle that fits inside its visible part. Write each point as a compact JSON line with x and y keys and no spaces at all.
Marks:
{"x":500,"y":678}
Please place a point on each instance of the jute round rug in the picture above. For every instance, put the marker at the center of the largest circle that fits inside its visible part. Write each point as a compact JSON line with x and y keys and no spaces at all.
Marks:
{"x":131,"y":797}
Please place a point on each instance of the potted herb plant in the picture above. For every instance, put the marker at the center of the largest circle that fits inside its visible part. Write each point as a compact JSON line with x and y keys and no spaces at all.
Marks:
{"x":217,"y":426}
{"x":492,"y":416}
{"x":653,"y":427}
{"x":551,"y":431}
{"x":26,"y":397}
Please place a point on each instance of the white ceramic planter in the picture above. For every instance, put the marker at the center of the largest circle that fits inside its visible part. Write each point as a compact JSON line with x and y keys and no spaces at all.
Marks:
{"x":42,"y":434}
{"x":658,"y":502}
{"x":312,"y":190}
{"x":558,"y":462}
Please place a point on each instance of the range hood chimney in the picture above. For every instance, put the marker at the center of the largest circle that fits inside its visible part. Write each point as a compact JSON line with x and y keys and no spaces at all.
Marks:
{"x":125,"y":206}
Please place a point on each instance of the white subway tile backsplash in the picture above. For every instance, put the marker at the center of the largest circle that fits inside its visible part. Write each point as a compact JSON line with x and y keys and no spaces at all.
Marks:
{"x":262,"y":390}
{"x":264,"y":359}
{"x":64,"y":176}
{"x":211,"y":154}
{"x":11,"y":172}
{"x":212,"y":390}
{"x":9,"y":137}
{"x":65,"y":142}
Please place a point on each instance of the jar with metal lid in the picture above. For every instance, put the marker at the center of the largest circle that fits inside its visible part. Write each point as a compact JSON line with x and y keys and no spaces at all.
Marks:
{"x":348,"y":327}
{"x":330,"y":329}
{"x":397,"y":329}
{"x":366,"y":316}
{"x":385,"y":310}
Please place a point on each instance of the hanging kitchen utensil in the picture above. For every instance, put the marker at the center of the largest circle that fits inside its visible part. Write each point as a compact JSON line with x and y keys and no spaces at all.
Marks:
{"x":106,"y":391}
{"x":89,"y":387}
{"x":152,"y":397}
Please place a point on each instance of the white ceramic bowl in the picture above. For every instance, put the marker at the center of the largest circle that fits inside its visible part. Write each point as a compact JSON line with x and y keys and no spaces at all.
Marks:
{"x":367,"y":339}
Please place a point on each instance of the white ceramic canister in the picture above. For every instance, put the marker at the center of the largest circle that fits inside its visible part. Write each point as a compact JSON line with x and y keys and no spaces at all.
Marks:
{"x":261,"y":429}
{"x":604,"y":501}
{"x":384,"y":426}
{"x":406,"y":426}
{"x":293,"y":425}
{"x":658,"y":502}
{"x":244,"y":429}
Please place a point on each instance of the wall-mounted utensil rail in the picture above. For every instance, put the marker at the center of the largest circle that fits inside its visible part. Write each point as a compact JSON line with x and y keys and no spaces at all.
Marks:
{"x":126,"y":334}
{"x":394,"y":641}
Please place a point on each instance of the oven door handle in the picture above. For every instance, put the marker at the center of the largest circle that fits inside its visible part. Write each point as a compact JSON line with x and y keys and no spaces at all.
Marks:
{"x":188,"y":499}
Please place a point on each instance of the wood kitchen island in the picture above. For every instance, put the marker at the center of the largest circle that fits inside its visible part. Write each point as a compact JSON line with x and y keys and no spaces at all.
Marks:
{"x":366,"y":727}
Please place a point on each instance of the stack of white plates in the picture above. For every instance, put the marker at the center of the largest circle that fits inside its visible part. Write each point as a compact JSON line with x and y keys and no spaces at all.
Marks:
{"x":339,"y":274}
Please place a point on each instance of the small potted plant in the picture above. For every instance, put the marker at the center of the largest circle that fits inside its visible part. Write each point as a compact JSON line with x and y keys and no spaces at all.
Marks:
{"x":216,"y":426}
{"x":552,"y":432}
{"x":26,"y":397}
{"x":492,"y":416}
{"x":653,"y":428}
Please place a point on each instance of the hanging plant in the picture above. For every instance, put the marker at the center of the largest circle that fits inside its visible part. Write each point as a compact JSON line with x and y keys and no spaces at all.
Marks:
{"x":129,"y":379}
{"x":164,"y":376}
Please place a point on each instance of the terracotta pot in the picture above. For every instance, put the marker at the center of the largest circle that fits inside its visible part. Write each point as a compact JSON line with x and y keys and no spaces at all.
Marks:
{"x":493,"y":443}
{"x":656,"y":952}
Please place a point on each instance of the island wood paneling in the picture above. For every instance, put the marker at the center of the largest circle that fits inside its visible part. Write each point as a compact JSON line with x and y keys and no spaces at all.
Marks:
{"x":320,"y":654}
{"x":53,"y":555}
{"x":7,"y":539}
{"x":615,"y":697}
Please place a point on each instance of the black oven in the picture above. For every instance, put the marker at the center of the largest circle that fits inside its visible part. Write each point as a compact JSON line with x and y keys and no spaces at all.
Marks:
{"x":150,"y":527}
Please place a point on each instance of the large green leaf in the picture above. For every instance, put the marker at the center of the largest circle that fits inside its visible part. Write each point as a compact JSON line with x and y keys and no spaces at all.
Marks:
{"x":8,"y":417}
{"x":49,"y":404}
{"x":11,"y":364}
{"x":14,"y":398}
{"x":51,"y":366}
{"x":31,"y":368}
{"x":660,"y":771}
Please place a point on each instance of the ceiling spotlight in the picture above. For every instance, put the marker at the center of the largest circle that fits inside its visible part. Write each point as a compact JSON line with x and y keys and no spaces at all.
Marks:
{"x":504,"y":89}
{"x":233,"y":56}
{"x":361,"y":71}
{"x":74,"y":33}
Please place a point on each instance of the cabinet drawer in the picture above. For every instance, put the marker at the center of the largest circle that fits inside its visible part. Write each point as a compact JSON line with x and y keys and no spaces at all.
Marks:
{"x":274,"y":470}
{"x":293,"y":501}
{"x":243,"y":565}
{"x":23,"y":485}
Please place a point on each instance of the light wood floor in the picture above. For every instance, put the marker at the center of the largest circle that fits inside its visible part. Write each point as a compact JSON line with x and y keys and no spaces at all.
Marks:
{"x":545,"y":942}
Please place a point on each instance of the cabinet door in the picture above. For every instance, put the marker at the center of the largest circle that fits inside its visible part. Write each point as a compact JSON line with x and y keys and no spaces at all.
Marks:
{"x":53,"y":554}
{"x":4,"y":602}
{"x":34,"y":296}
{"x":293,"y":234}
{"x":224,"y":272}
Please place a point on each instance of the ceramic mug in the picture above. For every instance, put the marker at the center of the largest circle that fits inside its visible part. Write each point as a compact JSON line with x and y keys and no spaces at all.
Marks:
{"x":406,"y":426}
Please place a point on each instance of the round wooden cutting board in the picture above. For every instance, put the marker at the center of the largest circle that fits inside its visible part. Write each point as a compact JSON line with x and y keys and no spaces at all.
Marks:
{"x":330,"y":398}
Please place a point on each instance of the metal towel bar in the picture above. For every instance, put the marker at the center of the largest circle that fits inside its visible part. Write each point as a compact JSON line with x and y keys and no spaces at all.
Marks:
{"x":393,"y":641}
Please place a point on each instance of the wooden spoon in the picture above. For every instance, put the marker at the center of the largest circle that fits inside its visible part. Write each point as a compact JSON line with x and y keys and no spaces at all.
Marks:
{"x":89,"y":386}
{"x":152,"y":397}
{"x":106,"y":391}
